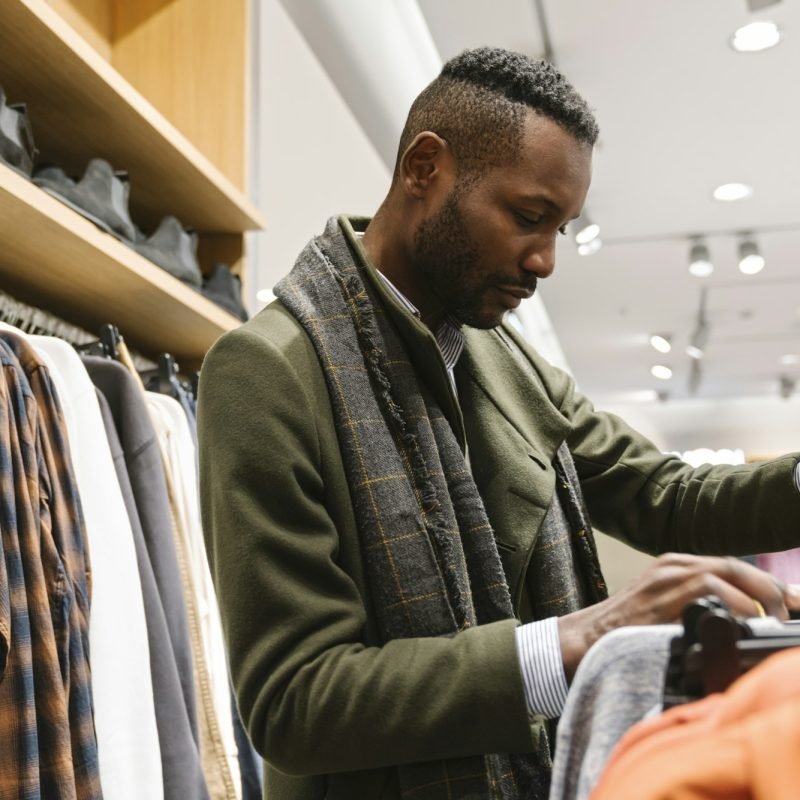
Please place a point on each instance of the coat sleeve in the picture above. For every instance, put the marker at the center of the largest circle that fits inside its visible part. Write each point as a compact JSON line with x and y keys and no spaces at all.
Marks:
{"x":658,"y":503}
{"x":314,"y":695}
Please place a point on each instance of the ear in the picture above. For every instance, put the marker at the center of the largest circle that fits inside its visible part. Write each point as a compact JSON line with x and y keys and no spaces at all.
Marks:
{"x":426,"y":163}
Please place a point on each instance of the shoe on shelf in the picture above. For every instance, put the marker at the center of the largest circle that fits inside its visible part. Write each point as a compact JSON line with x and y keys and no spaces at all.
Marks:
{"x":173,"y":249}
{"x":225,"y":289}
{"x":101,"y":195}
{"x":17,"y":149}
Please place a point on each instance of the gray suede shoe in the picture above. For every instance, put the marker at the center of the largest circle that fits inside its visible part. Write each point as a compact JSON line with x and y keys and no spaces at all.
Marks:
{"x":225,"y":289}
{"x":101,"y":195}
{"x":17,"y":149}
{"x":174,"y":250}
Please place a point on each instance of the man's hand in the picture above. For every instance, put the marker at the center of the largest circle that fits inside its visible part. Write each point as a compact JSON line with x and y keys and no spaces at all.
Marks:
{"x":662,"y":591}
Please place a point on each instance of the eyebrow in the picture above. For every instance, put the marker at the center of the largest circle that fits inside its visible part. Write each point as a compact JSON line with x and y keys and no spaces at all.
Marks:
{"x":540,"y":198}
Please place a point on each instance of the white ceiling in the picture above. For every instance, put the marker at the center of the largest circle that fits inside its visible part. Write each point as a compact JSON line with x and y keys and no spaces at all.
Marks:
{"x":680,"y":113}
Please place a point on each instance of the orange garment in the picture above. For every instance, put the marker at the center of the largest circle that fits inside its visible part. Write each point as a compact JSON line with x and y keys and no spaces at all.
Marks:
{"x":742,"y":744}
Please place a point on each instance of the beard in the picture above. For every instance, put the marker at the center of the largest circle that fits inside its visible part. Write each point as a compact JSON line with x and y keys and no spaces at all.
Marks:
{"x":447,"y":258}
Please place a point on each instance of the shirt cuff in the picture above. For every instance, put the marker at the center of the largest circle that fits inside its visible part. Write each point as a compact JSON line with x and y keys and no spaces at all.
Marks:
{"x":539,"y":651}
{"x":797,"y":476}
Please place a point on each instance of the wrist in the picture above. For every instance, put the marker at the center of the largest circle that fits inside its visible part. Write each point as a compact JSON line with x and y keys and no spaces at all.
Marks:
{"x":575,"y":639}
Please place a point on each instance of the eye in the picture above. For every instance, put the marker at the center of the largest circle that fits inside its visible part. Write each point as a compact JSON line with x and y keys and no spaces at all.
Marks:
{"x":563,"y":230}
{"x":526,"y":221}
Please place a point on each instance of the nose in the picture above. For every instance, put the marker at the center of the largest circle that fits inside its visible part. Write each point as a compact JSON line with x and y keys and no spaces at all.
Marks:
{"x":540,"y":259}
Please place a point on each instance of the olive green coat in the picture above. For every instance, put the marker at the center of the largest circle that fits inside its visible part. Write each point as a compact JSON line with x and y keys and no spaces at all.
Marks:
{"x":329,"y":709}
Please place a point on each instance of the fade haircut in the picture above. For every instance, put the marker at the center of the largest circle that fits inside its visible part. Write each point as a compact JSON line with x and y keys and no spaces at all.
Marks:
{"x":479,"y":101}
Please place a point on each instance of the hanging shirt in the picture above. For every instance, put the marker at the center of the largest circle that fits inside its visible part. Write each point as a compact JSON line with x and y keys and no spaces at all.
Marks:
{"x":180,"y":459}
{"x":125,"y":718}
{"x":47,"y":729}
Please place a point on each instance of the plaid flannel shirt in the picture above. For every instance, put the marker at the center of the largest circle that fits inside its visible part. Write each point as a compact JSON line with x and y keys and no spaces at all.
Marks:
{"x":49,"y":748}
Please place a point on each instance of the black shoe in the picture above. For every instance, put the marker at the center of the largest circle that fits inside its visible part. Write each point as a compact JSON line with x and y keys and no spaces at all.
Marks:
{"x":101,"y":195}
{"x":174,"y":250}
{"x":225,"y":289}
{"x":17,"y":149}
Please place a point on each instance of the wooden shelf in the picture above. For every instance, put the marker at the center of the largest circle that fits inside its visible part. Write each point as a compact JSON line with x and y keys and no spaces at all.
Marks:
{"x":53,"y":258}
{"x":80,"y":107}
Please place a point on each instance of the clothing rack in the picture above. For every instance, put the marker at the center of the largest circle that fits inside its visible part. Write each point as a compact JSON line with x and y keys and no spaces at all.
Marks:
{"x":33,"y":320}
{"x":717,"y":647}
{"x":37,"y":321}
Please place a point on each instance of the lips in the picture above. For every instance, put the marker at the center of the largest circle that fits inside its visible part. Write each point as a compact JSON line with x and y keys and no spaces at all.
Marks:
{"x":520,"y":292}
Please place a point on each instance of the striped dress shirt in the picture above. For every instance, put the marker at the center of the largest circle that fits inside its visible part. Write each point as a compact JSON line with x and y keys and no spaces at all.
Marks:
{"x":538,"y":644}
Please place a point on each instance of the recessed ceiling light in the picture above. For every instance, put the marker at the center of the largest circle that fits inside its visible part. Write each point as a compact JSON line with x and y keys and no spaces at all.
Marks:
{"x":660,"y":343}
{"x":265,"y":296}
{"x":756,"y":36}
{"x":730,"y":192}
{"x":590,"y":248}
{"x":661,"y":372}
{"x":790,"y":359}
{"x":585,"y":230}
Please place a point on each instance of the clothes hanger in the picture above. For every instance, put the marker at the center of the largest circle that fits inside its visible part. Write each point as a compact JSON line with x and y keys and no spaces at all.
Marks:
{"x":106,"y":344}
{"x":164,"y":378}
{"x":717,"y":647}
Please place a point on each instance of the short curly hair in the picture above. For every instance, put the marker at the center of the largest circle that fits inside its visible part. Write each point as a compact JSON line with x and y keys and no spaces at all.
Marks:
{"x":479,"y":101}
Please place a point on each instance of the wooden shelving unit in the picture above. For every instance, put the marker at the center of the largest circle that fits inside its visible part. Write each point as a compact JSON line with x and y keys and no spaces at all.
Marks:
{"x":133,"y":82}
{"x":80,"y":104}
{"x":91,"y":276}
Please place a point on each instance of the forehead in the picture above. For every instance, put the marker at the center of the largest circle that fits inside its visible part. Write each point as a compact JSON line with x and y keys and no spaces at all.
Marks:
{"x":550,"y":162}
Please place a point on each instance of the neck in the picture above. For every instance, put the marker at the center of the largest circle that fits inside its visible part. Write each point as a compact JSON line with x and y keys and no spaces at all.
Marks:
{"x":390,"y":248}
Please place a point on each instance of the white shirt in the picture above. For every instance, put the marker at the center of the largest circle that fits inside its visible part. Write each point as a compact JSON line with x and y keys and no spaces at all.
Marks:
{"x":128,"y":747}
{"x":180,"y":457}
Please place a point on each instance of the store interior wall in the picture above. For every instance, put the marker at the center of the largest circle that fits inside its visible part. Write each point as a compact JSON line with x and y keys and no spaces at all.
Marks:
{"x":311,"y":158}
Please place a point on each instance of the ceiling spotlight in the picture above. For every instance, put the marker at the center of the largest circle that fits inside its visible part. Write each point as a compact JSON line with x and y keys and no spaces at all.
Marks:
{"x":661,"y":343}
{"x":750,"y":260}
{"x":700,"y":260}
{"x":661,"y":371}
{"x":585,"y":230}
{"x":729,"y":192}
{"x":699,"y":338}
{"x":695,"y":377}
{"x":265,"y":296}
{"x":590,"y":248}
{"x":790,"y":359}
{"x":786,"y":386}
{"x":693,"y":351}
{"x":756,"y":36}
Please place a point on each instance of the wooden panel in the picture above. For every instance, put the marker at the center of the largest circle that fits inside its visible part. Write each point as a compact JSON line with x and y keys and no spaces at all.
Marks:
{"x":227,"y":249}
{"x":92,"y":19}
{"x":80,"y":107}
{"x":189,"y":58}
{"x":54,"y":258}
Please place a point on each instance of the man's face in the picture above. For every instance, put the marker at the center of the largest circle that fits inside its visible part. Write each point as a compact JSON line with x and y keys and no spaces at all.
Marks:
{"x":483,"y":250}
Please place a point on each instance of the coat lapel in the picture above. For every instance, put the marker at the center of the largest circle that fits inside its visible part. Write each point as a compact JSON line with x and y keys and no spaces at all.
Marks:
{"x":513,"y":432}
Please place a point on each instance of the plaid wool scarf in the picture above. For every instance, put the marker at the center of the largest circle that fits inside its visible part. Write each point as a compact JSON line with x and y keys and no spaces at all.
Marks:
{"x":429,"y":549}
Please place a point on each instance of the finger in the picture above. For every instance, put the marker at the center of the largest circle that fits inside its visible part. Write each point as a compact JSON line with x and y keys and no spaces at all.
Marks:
{"x":770,"y":592}
{"x":792,"y":596}
{"x":740,"y":603}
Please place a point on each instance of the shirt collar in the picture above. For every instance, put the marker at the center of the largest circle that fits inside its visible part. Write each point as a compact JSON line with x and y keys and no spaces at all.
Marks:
{"x":448,"y":335}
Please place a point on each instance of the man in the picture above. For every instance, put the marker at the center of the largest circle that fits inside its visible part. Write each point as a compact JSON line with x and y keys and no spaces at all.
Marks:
{"x":392,"y":480}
